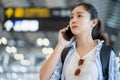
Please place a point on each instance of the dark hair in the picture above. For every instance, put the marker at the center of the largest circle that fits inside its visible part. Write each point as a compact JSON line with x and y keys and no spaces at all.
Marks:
{"x":97,"y":32}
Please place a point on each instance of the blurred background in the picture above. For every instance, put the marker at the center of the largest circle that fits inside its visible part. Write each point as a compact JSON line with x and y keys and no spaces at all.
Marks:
{"x":29,"y":29}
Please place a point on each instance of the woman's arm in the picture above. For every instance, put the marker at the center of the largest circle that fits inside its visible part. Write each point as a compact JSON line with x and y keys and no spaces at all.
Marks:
{"x":49,"y":66}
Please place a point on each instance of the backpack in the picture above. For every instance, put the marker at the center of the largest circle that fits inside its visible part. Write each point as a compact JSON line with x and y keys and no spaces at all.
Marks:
{"x":104,"y":57}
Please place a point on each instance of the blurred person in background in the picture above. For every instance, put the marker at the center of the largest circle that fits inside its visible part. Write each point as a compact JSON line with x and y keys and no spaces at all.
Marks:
{"x":83,"y":59}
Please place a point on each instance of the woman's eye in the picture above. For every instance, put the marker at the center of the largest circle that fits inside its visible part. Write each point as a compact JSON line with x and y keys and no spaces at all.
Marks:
{"x":71,"y":17}
{"x":79,"y":15}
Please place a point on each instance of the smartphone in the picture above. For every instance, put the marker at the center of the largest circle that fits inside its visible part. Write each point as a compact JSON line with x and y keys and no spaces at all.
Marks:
{"x":68,"y":34}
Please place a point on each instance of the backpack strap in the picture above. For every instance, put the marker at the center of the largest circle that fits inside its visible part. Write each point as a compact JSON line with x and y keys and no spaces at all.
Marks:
{"x":64,"y":54}
{"x":105,"y":57}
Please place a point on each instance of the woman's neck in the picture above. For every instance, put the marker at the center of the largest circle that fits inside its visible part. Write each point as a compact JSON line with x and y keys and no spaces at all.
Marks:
{"x":84,"y":45}
{"x":83,"y":42}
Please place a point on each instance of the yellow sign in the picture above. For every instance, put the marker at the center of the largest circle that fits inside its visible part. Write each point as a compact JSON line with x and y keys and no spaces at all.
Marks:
{"x":37,"y":12}
{"x":28,"y":12}
{"x":9,"y":12}
{"x":19,"y":12}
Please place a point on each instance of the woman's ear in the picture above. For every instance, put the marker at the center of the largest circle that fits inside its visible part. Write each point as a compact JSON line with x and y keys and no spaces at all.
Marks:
{"x":94,"y":22}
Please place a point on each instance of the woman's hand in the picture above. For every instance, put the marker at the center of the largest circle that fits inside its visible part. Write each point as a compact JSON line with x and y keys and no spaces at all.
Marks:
{"x":61,"y":40}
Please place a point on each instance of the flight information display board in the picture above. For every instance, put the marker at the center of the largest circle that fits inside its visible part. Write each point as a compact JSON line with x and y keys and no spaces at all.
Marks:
{"x":35,"y":19}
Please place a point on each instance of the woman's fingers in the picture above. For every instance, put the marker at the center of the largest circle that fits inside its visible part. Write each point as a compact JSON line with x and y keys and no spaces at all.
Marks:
{"x":64,"y":29}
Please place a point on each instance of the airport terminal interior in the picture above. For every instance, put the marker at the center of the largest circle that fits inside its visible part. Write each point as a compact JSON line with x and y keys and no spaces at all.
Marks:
{"x":29,"y":32}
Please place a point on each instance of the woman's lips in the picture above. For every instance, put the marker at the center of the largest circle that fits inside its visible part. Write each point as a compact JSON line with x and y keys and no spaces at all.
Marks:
{"x":74,"y":26}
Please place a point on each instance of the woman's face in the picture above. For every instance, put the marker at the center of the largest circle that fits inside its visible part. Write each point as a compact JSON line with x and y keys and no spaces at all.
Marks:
{"x":80,"y":22}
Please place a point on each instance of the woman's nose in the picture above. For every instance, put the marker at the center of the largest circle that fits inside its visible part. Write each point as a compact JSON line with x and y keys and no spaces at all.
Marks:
{"x":73,"y":20}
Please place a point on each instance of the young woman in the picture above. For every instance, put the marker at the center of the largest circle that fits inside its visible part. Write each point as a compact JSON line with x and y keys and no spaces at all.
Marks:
{"x":83,"y":59}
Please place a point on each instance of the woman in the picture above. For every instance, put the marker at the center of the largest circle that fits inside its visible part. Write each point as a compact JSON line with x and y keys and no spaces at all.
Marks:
{"x":85,"y":51}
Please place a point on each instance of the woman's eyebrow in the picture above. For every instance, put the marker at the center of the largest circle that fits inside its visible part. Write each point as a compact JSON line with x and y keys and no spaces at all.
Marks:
{"x":77,"y":13}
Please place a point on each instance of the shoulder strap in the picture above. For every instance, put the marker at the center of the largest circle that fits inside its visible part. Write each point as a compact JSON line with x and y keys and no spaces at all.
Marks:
{"x":64,"y":54}
{"x":105,"y":57}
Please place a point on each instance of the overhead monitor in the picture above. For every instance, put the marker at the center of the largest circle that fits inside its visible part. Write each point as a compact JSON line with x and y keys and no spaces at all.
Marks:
{"x":35,"y":19}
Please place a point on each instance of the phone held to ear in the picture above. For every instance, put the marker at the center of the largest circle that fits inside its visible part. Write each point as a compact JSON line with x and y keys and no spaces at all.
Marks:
{"x":68,"y":34}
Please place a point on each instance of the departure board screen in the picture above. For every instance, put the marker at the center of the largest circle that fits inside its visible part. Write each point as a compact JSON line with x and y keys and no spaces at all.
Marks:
{"x":35,"y":19}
